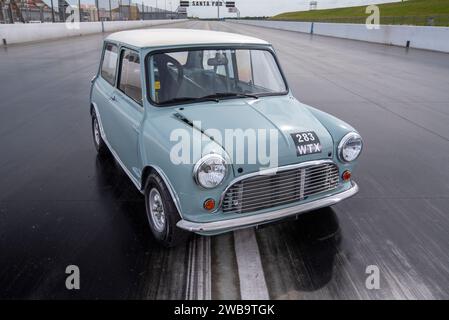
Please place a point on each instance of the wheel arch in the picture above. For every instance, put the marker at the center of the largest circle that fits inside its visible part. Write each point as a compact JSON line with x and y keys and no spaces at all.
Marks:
{"x":147,"y":170}
{"x":145,"y":173}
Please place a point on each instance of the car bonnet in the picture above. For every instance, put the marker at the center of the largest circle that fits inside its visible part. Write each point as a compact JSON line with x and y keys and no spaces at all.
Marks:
{"x":268,"y":122}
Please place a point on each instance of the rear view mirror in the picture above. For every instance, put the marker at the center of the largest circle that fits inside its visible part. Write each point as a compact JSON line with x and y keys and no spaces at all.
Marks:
{"x":219,"y":60}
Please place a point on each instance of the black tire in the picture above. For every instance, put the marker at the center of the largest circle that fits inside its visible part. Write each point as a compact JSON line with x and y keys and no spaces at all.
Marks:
{"x":99,"y":143}
{"x":167,"y":233}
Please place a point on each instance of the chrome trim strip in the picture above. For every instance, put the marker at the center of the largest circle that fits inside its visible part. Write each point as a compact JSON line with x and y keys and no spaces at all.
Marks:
{"x":302,"y":183}
{"x":256,"y":219}
{"x":269,"y":172}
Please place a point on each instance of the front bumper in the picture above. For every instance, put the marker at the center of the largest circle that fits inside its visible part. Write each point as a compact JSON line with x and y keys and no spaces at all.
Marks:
{"x":257,"y":219}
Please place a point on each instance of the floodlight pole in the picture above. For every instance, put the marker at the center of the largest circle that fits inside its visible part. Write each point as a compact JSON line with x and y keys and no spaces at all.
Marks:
{"x":52,"y":12}
{"x":218,"y":9}
{"x":97,"y":5}
{"x":110,"y":11}
{"x":79,"y":10}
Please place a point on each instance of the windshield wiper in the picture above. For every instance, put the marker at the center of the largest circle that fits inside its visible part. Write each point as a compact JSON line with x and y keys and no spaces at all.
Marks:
{"x":190,"y":99}
{"x":212,"y":97}
{"x":219,"y":95}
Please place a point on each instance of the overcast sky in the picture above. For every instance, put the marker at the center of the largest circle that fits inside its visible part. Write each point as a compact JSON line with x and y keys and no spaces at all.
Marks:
{"x":264,"y":7}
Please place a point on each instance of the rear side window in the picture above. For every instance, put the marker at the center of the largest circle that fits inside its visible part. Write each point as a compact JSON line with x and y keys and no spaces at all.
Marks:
{"x":130,"y":82}
{"x":108,"y":67}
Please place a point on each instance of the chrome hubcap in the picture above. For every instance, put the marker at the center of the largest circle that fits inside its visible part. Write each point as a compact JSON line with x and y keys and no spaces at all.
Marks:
{"x":96,"y":132}
{"x":157,"y":213}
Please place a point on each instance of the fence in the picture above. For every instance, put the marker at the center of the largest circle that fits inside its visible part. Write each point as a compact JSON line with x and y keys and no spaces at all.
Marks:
{"x":436,"y":20}
{"x":35,"y":11}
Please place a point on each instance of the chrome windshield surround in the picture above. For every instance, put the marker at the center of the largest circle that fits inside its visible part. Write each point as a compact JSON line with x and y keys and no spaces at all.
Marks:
{"x":199,"y":47}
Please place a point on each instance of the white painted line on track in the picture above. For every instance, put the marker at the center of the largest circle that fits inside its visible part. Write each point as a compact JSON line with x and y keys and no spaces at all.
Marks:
{"x":252,"y":279}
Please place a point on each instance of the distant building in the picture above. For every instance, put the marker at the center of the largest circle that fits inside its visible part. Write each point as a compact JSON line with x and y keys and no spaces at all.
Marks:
{"x":23,"y":11}
{"x":104,"y":14}
{"x":313,"y":5}
{"x":89,"y":12}
{"x":126,"y":12}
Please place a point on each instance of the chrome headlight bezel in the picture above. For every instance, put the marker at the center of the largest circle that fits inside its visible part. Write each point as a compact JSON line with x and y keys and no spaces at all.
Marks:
{"x":344,"y":142}
{"x":199,"y":165}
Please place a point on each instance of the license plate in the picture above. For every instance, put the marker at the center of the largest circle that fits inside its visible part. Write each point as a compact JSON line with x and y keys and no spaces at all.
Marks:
{"x":306,"y":143}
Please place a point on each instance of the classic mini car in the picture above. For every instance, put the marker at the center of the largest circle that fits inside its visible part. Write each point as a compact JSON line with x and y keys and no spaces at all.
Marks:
{"x":206,"y":127}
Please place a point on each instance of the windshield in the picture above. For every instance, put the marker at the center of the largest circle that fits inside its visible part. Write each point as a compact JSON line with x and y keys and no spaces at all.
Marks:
{"x":212,"y":74}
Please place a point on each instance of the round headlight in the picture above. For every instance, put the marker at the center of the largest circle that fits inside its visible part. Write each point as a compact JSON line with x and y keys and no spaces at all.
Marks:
{"x":350,"y":147}
{"x":210,"y":171}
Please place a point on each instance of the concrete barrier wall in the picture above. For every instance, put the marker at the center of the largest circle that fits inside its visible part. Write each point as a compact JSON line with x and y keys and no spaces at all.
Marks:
{"x":20,"y":33}
{"x":429,"y":38}
{"x":282,"y":25}
{"x":110,"y":26}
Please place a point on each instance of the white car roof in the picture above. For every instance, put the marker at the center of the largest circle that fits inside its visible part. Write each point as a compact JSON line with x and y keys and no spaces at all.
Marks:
{"x":170,"y":37}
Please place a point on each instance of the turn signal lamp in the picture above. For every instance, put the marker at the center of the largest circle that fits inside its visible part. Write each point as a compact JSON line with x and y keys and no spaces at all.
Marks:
{"x":346,"y":176}
{"x":209,"y":204}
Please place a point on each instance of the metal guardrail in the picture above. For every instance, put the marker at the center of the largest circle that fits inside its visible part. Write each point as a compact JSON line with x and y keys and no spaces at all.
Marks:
{"x":436,"y":20}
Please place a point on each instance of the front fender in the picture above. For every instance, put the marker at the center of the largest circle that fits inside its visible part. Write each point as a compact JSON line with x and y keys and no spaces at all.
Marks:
{"x":337,"y":129}
{"x":157,"y":141}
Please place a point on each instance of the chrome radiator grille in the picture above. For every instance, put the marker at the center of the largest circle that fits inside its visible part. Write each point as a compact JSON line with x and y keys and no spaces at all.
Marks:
{"x":284,"y":187}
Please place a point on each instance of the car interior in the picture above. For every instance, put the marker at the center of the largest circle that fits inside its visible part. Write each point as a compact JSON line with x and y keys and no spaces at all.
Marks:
{"x":200,"y":73}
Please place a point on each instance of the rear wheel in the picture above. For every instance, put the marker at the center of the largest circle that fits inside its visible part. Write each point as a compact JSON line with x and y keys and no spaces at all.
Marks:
{"x":99,"y":143}
{"x":162,"y":213}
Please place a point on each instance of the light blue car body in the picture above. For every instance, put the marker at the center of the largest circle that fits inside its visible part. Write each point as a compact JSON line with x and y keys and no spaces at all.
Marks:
{"x":139,"y":138}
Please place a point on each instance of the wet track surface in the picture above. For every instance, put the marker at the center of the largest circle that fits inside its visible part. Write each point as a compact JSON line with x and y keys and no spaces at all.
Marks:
{"x":60,"y":204}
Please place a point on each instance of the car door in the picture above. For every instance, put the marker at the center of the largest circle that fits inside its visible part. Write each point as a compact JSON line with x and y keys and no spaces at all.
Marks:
{"x":104,"y":86}
{"x":127,"y":111}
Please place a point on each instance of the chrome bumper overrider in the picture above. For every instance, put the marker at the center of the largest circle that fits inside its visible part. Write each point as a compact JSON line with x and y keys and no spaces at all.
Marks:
{"x":262,"y":218}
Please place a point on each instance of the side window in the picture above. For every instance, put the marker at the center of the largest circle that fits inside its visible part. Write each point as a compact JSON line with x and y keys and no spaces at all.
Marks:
{"x":108,"y":67}
{"x":129,"y":81}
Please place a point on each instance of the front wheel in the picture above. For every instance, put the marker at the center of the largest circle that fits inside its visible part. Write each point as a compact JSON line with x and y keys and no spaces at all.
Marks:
{"x":162,"y":213}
